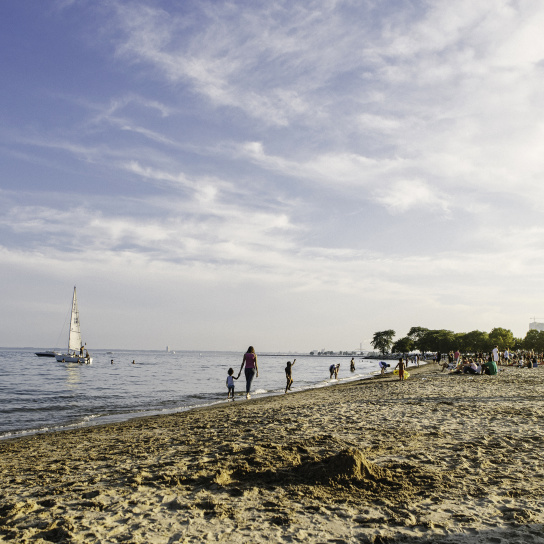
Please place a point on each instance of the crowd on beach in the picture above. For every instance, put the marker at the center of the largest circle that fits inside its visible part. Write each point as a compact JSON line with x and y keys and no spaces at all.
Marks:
{"x":454,"y":362}
{"x":251,"y":370}
{"x":488,"y":363}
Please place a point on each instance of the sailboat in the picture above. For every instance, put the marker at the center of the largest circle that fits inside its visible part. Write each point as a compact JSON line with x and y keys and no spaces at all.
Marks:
{"x":75,"y":346}
{"x":46,"y":353}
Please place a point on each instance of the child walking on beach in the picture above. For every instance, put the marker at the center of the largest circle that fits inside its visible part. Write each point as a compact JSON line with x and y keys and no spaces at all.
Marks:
{"x":289,"y":374}
{"x":400,"y":366}
{"x":230,"y":383}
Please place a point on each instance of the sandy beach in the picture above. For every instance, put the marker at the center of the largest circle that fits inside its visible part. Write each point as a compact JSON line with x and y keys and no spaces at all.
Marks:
{"x":437,"y":458}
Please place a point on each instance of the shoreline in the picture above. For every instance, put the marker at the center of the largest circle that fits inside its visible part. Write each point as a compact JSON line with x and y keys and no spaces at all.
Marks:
{"x":436,"y":458}
{"x":93,"y":421}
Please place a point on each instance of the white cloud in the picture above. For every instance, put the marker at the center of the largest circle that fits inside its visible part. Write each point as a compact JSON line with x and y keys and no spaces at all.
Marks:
{"x":408,"y":195}
{"x":291,"y":149}
{"x":369,"y":121}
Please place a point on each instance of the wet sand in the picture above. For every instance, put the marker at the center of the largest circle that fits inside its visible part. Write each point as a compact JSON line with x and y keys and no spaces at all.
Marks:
{"x":436,"y":458}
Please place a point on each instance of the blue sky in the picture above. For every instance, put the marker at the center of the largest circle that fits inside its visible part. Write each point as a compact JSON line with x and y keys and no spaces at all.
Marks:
{"x":294,"y":176}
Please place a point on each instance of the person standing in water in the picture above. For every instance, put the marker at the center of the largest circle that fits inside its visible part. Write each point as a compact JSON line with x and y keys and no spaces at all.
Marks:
{"x":251,"y":370}
{"x":289,"y":374}
{"x":230,"y":384}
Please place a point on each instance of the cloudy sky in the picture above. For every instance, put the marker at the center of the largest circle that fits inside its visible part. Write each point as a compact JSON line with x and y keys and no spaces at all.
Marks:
{"x":292,"y":175}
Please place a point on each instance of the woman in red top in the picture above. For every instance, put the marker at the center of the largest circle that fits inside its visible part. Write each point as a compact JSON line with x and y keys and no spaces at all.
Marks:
{"x":250,"y":360}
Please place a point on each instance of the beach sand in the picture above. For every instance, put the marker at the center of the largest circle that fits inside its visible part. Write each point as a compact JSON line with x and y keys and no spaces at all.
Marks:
{"x":437,"y":458}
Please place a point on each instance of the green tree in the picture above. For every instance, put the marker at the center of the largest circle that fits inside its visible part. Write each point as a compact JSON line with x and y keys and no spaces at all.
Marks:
{"x":531,"y":339}
{"x":502,"y":338}
{"x":403,"y":345}
{"x":438,"y":340}
{"x":382,"y":340}
{"x":459,"y":339}
{"x":426,"y":341}
{"x":534,"y":340}
{"x":475,"y":341}
{"x":447,"y":340}
{"x":415,"y":333}
{"x":540,"y":342}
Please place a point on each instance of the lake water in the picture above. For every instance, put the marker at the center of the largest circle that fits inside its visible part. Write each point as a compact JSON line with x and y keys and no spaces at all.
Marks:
{"x":38,"y":394}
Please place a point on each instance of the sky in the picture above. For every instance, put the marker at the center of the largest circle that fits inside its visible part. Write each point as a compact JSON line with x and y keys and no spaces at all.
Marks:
{"x":290,"y":175}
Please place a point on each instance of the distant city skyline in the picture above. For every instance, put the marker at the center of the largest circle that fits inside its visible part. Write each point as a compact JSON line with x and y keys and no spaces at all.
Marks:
{"x":213,"y":175}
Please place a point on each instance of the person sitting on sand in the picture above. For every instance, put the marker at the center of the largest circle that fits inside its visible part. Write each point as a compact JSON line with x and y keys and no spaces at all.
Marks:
{"x":448,"y":364}
{"x":400,"y":366}
{"x":470,"y":368}
{"x":289,"y":374}
{"x":230,"y":383}
{"x":459,"y":368}
{"x":490,"y":368}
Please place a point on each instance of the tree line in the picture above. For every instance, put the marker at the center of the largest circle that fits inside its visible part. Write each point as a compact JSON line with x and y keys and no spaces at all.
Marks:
{"x":422,"y":339}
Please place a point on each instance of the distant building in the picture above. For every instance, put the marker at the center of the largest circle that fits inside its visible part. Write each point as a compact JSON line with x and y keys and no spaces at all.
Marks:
{"x":535,"y":326}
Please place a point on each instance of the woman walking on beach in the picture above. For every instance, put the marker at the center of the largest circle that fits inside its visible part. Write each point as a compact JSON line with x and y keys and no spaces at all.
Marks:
{"x":250,"y":361}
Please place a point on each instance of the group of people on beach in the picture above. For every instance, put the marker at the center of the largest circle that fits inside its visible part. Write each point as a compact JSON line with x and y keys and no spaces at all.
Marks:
{"x":402,"y":365}
{"x":454,"y":361}
{"x":335,"y":368}
{"x":488,"y":363}
{"x":249,"y":360}
{"x":251,"y":370}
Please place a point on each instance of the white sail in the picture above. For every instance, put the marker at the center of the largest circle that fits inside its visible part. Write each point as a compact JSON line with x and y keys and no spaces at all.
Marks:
{"x":74,"y":338}
{"x":75,"y":346}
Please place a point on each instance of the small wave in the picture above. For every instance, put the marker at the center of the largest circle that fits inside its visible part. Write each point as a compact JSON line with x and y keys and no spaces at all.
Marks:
{"x":89,"y":417}
{"x":260,"y":392}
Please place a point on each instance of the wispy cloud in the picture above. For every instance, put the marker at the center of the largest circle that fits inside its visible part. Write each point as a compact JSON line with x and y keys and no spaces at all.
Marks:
{"x":384,"y":153}
{"x":408,"y":195}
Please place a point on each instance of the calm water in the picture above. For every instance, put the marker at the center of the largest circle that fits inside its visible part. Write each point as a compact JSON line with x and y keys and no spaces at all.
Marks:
{"x":38,"y":394}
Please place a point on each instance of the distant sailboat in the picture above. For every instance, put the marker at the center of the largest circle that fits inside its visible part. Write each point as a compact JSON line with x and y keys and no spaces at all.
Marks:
{"x":75,"y":346}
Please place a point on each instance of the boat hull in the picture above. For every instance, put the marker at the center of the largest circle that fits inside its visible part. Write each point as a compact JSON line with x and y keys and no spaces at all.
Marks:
{"x":46,"y":353}
{"x":63,"y":358}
